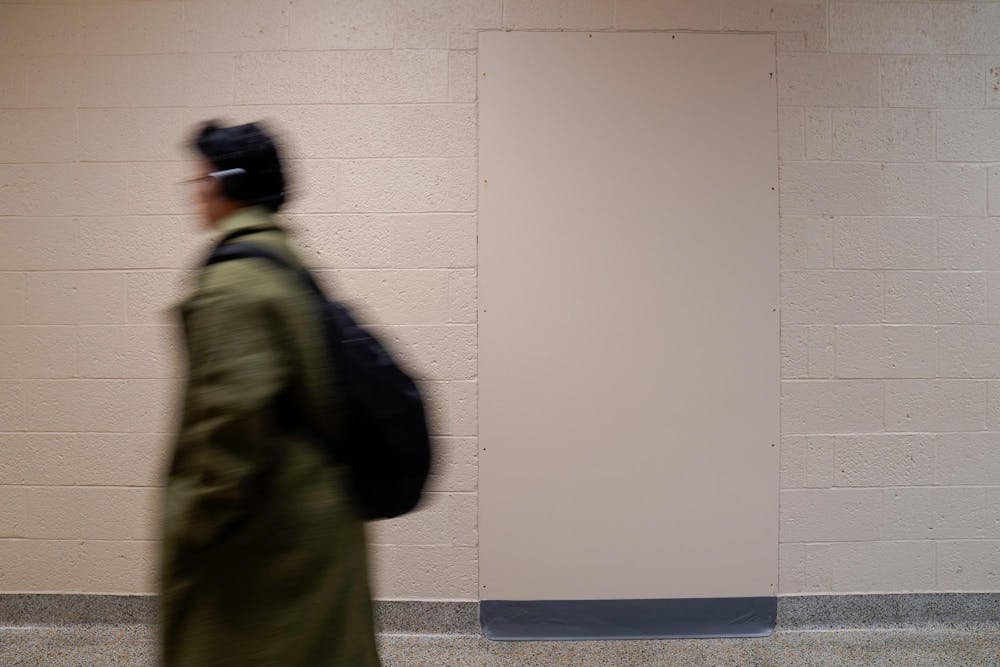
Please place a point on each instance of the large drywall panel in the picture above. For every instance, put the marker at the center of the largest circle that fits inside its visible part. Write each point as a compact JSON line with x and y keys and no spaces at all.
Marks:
{"x":628,"y":290}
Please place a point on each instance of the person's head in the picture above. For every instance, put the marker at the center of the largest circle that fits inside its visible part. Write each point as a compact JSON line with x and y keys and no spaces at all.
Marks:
{"x":240,"y":166}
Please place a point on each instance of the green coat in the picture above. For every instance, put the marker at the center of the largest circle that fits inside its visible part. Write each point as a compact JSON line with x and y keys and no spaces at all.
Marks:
{"x":264,"y":560}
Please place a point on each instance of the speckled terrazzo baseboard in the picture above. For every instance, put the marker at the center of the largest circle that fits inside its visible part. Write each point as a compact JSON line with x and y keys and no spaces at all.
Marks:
{"x":886,"y":611}
{"x":17,"y":609}
{"x":462,"y":618}
{"x":391,"y":616}
{"x":427,"y":617}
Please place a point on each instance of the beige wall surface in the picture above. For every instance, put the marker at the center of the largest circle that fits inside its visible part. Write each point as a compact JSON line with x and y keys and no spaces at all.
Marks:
{"x":889,"y":149}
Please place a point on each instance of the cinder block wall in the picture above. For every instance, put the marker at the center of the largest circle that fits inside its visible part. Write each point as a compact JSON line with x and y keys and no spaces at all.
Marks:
{"x":889,"y":124}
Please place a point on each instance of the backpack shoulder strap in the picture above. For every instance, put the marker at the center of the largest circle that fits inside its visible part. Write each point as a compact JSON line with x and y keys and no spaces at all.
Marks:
{"x":231,"y":251}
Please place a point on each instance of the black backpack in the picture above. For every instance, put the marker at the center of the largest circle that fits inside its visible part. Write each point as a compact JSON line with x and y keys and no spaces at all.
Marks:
{"x":385,"y":442}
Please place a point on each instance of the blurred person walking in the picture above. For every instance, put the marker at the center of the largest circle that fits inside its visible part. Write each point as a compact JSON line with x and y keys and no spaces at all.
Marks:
{"x":264,"y":558}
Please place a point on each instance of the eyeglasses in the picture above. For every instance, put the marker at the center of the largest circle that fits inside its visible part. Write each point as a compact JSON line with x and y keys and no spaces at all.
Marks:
{"x":217,"y":175}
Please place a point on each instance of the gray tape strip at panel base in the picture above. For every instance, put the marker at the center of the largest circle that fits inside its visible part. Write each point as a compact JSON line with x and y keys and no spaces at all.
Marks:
{"x":628,"y":619}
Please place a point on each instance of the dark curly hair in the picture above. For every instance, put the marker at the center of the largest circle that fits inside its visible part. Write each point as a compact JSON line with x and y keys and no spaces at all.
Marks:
{"x":250,"y":148}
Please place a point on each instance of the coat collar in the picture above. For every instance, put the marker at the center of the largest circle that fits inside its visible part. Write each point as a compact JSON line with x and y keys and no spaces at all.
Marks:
{"x":245,"y":218}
